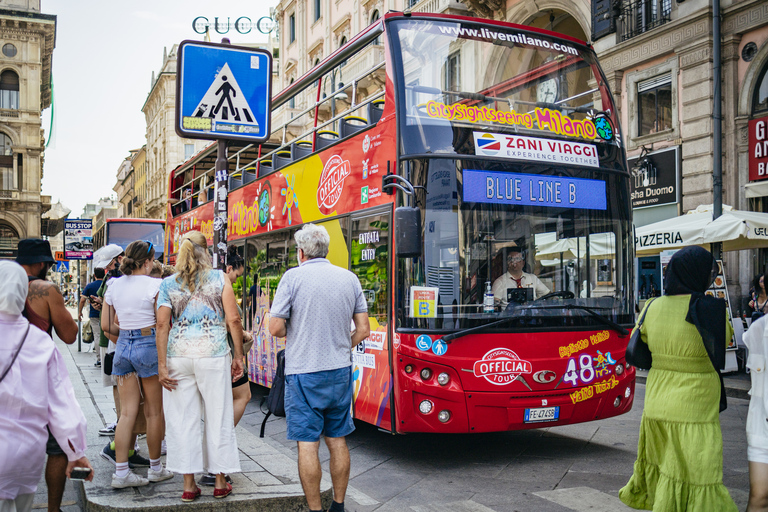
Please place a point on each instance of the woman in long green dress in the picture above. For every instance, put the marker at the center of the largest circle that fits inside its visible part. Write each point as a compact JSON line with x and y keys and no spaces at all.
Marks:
{"x":680,"y":452}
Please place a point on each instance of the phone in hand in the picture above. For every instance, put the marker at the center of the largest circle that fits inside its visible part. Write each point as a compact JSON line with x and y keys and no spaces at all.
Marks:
{"x":80,"y":473}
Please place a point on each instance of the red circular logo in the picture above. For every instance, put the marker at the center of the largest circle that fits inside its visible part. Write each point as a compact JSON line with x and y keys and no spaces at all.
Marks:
{"x":501,"y":366}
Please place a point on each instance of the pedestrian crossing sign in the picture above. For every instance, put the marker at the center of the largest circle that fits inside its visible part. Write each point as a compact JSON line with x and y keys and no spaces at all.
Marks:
{"x":223,"y":92}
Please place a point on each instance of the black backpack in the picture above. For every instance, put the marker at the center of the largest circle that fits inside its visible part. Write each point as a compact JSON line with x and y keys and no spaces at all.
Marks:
{"x":276,"y":398}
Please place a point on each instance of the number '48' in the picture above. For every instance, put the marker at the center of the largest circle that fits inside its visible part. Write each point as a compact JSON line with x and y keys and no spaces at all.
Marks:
{"x":586,"y":373}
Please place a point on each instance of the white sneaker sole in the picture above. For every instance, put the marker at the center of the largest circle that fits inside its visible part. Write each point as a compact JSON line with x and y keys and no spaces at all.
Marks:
{"x":156,"y":479}
{"x":126,"y":485}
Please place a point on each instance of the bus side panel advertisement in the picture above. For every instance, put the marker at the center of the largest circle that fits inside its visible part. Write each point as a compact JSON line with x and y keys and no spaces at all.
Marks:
{"x":372,"y":379}
{"x":199,"y":219}
{"x":344,"y":178}
{"x":263,"y":355}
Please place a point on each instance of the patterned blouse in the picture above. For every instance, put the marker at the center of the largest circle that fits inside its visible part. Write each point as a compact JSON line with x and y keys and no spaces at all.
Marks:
{"x":198,"y":328}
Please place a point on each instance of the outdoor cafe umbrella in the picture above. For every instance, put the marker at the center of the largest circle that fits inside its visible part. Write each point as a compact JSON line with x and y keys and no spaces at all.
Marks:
{"x":736,"y":229}
{"x":601,"y":245}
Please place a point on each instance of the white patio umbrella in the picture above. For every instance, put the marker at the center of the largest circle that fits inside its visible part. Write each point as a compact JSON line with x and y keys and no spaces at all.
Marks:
{"x":736,"y":229}
{"x":601,"y":246}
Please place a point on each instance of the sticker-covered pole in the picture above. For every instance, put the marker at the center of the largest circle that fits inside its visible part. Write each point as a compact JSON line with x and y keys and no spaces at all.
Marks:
{"x":221,"y":200}
{"x":220,"y":211}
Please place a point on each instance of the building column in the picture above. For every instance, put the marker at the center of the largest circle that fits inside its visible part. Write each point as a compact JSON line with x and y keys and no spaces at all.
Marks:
{"x":695,"y":104}
{"x":615,"y":78}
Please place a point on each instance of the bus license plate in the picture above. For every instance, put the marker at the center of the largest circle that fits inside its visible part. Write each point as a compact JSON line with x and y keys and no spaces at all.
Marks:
{"x":542,"y":414}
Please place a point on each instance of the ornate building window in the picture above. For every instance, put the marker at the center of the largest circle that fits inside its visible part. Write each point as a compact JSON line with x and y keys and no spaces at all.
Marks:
{"x":9,"y":90}
{"x":8,"y":178}
{"x":9,"y":50}
{"x":291,"y":28}
{"x":654,"y":104}
{"x":374,"y":17}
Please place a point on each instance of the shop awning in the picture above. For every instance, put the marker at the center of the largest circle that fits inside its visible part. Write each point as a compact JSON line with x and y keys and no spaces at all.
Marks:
{"x":736,"y":229}
{"x":756,"y":189}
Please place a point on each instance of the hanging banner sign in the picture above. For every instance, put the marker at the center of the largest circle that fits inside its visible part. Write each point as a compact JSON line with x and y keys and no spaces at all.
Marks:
{"x":758,"y":149}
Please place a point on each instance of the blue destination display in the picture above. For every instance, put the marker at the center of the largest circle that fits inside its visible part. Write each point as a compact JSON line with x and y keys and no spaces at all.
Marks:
{"x":533,"y":190}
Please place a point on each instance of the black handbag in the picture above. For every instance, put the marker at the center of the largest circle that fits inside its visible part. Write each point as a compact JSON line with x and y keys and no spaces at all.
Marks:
{"x":106,"y":364}
{"x":638,"y":354}
{"x":275,"y":400}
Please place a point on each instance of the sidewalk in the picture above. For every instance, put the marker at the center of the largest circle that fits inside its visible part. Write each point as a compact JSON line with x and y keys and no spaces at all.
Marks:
{"x":737,"y":384}
{"x":269,"y":478}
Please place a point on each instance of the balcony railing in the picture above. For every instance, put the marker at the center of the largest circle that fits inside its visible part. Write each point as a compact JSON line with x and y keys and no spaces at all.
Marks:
{"x":643,"y":15}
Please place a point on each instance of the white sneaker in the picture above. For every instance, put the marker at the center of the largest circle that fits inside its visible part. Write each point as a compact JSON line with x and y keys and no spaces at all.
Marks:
{"x":129,"y":480}
{"x":163,"y":448}
{"x":158,"y":476}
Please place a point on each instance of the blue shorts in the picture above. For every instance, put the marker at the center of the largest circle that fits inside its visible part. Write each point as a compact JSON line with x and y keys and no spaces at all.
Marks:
{"x":136,"y":352}
{"x":319,"y":403}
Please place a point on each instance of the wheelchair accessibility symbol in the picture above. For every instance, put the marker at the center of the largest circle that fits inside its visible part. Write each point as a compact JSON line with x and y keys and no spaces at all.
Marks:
{"x":424,"y":342}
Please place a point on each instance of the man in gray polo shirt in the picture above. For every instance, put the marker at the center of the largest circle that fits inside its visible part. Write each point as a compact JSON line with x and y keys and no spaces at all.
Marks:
{"x":314,"y":307}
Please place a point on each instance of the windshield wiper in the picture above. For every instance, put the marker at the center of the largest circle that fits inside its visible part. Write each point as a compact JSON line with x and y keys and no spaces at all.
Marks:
{"x":517,"y":314}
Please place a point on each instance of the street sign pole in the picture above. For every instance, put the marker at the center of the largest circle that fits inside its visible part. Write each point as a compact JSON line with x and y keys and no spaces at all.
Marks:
{"x":221,"y":207}
{"x":79,"y":320}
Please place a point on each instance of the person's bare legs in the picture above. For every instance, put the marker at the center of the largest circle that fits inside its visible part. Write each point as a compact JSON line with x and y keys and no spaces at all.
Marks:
{"x":339,"y":466}
{"x":758,"y":487}
{"x":241,"y":395}
{"x":153,"y":411}
{"x":310,"y":473}
{"x":55,"y":479}
{"x":130,"y":397}
{"x":189,"y":483}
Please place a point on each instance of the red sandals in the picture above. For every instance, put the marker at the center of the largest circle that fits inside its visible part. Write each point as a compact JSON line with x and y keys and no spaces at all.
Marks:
{"x":222,"y":493}
{"x":191,"y":496}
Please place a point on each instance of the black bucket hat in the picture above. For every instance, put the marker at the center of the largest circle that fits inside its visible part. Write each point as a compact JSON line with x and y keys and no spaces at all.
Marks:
{"x":34,"y":250}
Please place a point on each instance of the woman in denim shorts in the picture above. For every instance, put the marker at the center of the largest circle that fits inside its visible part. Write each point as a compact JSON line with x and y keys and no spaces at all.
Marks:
{"x":131,"y":299}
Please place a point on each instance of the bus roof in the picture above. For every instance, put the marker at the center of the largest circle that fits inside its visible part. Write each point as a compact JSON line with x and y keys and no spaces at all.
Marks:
{"x":505,"y":24}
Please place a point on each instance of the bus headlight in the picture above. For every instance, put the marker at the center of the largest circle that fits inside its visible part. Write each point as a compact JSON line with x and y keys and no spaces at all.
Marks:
{"x":425,"y":407}
{"x":619,"y":369}
{"x":426,"y":373}
{"x":409,"y":368}
{"x":617,"y":402}
{"x":627,"y":392}
{"x":444,"y":416}
{"x":443,"y":379}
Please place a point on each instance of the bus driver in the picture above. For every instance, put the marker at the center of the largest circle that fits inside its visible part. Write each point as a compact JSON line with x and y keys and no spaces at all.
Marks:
{"x":516,"y":278}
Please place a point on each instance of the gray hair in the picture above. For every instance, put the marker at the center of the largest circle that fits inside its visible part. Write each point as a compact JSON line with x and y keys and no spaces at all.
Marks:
{"x":313,"y":240}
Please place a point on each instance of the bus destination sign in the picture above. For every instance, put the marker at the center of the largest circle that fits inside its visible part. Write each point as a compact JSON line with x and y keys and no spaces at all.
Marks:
{"x":533,"y":190}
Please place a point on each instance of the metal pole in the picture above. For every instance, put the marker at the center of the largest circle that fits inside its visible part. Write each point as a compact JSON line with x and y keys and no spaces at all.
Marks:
{"x":79,"y":321}
{"x":221,"y":202}
{"x":717,"y":165}
{"x":220,"y":217}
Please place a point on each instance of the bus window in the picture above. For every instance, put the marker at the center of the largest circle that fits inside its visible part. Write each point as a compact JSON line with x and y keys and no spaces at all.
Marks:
{"x":268,"y":257}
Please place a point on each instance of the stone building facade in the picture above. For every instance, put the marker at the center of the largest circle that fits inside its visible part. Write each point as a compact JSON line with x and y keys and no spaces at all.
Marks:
{"x":27,"y":39}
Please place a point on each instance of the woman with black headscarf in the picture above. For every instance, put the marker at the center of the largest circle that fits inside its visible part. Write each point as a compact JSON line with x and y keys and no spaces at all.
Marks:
{"x":680,"y":452}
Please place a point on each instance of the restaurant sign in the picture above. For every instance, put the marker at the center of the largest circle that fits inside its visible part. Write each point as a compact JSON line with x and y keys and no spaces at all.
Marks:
{"x":758,"y":149}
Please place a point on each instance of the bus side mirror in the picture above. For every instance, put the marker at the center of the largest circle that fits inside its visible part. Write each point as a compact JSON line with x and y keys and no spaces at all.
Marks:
{"x":407,"y":232}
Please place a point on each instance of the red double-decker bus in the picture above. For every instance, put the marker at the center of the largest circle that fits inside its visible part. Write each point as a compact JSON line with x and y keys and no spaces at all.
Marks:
{"x":471,"y":174}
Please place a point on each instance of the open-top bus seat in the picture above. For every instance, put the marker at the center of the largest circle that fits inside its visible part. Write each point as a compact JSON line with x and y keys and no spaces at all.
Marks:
{"x":235,"y":181}
{"x":375,"y":109}
{"x":265,"y":167}
{"x":249,"y":175}
{"x":281,"y":159}
{"x":352,"y":124}
{"x":325,"y":138}
{"x":301,"y":149}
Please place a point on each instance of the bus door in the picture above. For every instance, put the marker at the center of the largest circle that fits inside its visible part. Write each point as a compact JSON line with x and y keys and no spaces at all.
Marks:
{"x":369,"y":260}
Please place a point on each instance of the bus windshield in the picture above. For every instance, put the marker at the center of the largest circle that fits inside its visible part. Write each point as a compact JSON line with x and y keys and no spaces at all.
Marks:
{"x":460,"y":77}
{"x":568,"y":255}
{"x":123,"y":233}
